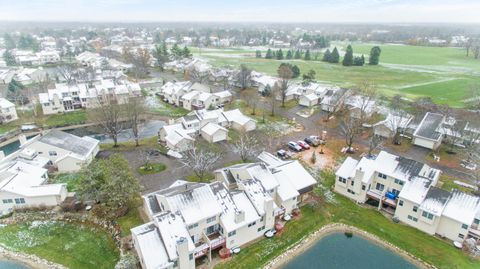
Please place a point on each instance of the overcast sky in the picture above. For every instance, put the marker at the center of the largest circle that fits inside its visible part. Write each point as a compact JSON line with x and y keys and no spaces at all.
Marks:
{"x":242,"y":10}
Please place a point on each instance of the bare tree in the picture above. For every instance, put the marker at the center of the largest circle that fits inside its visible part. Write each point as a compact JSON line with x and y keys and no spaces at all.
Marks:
{"x":273,"y":99}
{"x":399,"y":119}
{"x":473,"y":99}
{"x":286,"y":74}
{"x":374,"y":142}
{"x":247,"y":146}
{"x":67,"y":72}
{"x":244,"y":77}
{"x":368,"y":93}
{"x":350,"y":128}
{"x":108,"y":114}
{"x":135,"y":109}
{"x":200,"y":160}
{"x":195,"y":75}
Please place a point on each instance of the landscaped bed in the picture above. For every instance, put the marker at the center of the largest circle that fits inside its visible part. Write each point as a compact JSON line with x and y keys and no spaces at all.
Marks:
{"x":151,"y":168}
{"x":70,"y":244}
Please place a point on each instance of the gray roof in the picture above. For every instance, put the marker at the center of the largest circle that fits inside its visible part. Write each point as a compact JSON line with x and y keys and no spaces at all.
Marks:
{"x":69,"y":142}
{"x":428,"y":128}
{"x":438,"y":195}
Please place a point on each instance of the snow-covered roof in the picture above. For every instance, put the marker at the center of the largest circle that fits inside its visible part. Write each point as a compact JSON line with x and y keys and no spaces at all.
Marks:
{"x":311,"y":97}
{"x":79,"y":147}
{"x":394,"y":122}
{"x":236,"y":116}
{"x":212,"y":128}
{"x":416,"y":189}
{"x":347,"y":169}
{"x":192,"y":200}
{"x":462,"y":207}
{"x":223,"y":94}
{"x":435,"y":201}
{"x":296,"y":174}
{"x":172,"y":229}
{"x":429,"y":127}
{"x":256,"y":193}
{"x":269,"y":159}
{"x":149,"y":242}
{"x":232,"y":204}
{"x":262,"y":173}
{"x":361,"y":102}
{"x":4,"y":103}
{"x":175,"y":133}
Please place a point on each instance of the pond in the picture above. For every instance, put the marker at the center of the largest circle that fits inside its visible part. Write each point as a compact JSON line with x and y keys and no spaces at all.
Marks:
{"x":337,"y":251}
{"x":9,"y":264}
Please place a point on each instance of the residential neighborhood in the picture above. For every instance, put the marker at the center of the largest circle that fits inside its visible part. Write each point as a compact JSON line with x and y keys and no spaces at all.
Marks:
{"x":145,"y":135}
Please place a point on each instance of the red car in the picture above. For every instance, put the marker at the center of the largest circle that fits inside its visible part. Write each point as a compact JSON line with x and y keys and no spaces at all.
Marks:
{"x":303,"y":145}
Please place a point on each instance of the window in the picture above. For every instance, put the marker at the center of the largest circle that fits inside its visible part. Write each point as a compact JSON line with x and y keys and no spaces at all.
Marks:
{"x":396,"y":192}
{"x":363,"y":187}
{"x":415,"y":208}
{"x":350,"y":191}
{"x":7,"y":201}
{"x":211,"y":219}
{"x":380,"y":187}
{"x":261,"y":219}
{"x":19,"y":201}
{"x":412,"y":218}
{"x":400,"y":203}
{"x":261,"y":228}
{"x":380,"y":175}
{"x":461,"y":236}
{"x":190,"y":256}
{"x":427,"y":215}
{"x":232,"y":233}
{"x":52,"y":153}
{"x":352,"y":183}
{"x":341,"y":179}
{"x":252,"y":224}
{"x":464,"y":226}
{"x":399,"y":182}
{"x":191,"y":226}
{"x":476,"y":221}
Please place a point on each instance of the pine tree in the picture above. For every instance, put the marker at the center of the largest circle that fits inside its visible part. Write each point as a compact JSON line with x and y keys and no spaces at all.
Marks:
{"x":327,"y":56}
{"x":374,"y":56}
{"x":279,"y":54}
{"x":289,"y":55}
{"x":269,"y":54}
{"x":296,"y":71}
{"x":175,"y":50}
{"x":335,"y":57}
{"x":9,"y":58}
{"x":307,"y":55}
{"x":348,"y":58}
{"x":362,"y":60}
{"x":298,"y":55}
{"x":186,"y":53}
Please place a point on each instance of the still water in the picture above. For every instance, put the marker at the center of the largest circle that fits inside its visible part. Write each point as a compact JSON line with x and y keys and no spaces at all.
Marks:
{"x":337,"y":251}
{"x":8,"y":264}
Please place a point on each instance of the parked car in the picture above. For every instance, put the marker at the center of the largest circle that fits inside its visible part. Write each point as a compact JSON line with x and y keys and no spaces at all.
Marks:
{"x":314,"y":141}
{"x":282,"y":154}
{"x":294,"y":146}
{"x":303,"y":144}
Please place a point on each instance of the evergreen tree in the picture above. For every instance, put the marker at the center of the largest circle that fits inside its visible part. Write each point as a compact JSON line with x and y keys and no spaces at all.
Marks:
{"x":362,"y":60}
{"x":165,"y":49}
{"x":289,"y":55}
{"x":9,"y":42}
{"x":374,"y":55}
{"x":269,"y":54}
{"x":348,"y":58}
{"x":296,"y":71}
{"x":307,"y":55}
{"x":279,"y":54}
{"x":9,"y":58}
{"x":186,"y":53}
{"x":15,"y":93}
{"x":258,"y":54}
{"x":309,"y":77}
{"x":297,"y":55}
{"x":176,"y":52}
{"x":327,"y":56}
{"x":335,"y":57}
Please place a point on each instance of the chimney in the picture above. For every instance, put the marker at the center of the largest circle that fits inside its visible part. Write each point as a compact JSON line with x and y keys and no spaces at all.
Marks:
{"x":22,"y":139}
{"x":183,"y":253}
{"x":359,"y":174}
{"x":239,"y":216}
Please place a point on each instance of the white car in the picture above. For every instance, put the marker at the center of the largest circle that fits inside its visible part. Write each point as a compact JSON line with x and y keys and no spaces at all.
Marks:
{"x":294,"y":146}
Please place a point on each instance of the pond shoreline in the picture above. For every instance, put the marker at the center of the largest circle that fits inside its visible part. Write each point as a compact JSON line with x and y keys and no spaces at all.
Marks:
{"x":308,"y":241}
{"x":29,"y":260}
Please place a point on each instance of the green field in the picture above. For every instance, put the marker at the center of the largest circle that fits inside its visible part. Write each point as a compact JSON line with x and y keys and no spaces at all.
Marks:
{"x":445,"y":74}
{"x":73,"y":245}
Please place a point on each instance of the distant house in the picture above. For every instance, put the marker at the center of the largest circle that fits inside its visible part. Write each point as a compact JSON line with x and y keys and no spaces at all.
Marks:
{"x":360,"y":106}
{"x":177,"y":137}
{"x":8,"y":112}
{"x":333,"y":99}
{"x":213,"y":133}
{"x":393,"y":123}
{"x":67,"y":152}
{"x":309,"y":100}
{"x":238,"y":121}
{"x":429,"y":132}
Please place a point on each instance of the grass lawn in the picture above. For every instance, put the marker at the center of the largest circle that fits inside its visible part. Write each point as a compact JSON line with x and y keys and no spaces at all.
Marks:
{"x":448,"y":184}
{"x":149,"y":143}
{"x":72,"y":180}
{"x":73,"y":245}
{"x":7,"y":127}
{"x":193,"y":178}
{"x":132,"y":218}
{"x":151,"y":168}
{"x":60,"y":120}
{"x":165,"y":109}
{"x":338,"y":209}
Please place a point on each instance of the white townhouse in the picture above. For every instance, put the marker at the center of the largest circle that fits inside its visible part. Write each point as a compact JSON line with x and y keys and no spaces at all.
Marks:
{"x":69,"y":97}
{"x":29,"y":58}
{"x":429,"y":132}
{"x":380,"y":178}
{"x":25,"y":76}
{"x":360,"y":106}
{"x":299,"y":90}
{"x":88,"y":58}
{"x":8,"y":112}
{"x":190,"y":220}
{"x":67,"y":152}
{"x":454,"y":215}
{"x":333,"y":99}
{"x":212,"y":125}
{"x":24,"y":182}
{"x":172,"y":91}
